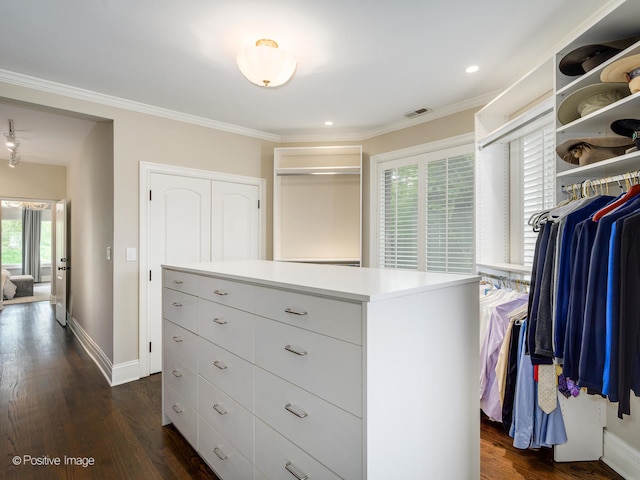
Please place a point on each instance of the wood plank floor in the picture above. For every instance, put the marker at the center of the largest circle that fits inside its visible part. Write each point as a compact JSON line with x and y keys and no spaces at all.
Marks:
{"x":54,"y":402}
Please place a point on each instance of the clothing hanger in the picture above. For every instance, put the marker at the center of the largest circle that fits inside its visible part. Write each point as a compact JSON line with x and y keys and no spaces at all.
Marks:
{"x":633,"y":191}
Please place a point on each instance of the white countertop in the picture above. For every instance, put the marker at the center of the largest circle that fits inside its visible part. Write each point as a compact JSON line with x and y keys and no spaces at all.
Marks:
{"x":355,"y":283}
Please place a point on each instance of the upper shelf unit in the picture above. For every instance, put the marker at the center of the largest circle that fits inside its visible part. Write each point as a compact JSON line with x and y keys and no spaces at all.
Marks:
{"x":620,"y":22}
{"x":317,"y":204}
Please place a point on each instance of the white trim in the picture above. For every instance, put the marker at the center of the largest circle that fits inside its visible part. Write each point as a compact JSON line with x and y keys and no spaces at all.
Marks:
{"x":48,"y":86}
{"x":464,"y":141}
{"x":621,"y":456}
{"x":91,"y":347}
{"x":146,"y":169}
{"x":21,"y":80}
{"x":125,"y":372}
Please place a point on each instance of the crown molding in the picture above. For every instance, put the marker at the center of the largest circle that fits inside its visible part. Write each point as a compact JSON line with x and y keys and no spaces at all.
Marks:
{"x":475,"y":102}
{"x":27,"y":81}
{"x":48,"y":86}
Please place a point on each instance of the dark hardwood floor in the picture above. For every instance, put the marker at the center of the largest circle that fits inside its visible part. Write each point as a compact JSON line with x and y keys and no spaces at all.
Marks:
{"x":55,"y":403}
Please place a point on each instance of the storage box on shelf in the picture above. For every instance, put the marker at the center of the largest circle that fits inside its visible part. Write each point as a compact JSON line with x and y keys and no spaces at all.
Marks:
{"x":320,"y":371}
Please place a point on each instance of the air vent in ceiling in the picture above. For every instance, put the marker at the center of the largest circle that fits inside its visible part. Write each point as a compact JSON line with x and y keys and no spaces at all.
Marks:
{"x":417,"y":113}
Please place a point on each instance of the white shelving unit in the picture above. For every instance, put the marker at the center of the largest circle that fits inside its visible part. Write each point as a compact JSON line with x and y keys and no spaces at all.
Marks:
{"x":317,"y":204}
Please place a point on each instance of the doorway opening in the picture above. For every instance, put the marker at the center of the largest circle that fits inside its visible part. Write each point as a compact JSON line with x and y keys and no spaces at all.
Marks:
{"x":27,"y":237}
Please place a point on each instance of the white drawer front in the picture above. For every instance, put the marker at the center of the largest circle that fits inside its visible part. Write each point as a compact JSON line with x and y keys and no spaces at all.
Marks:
{"x":227,"y":417}
{"x":182,"y":415}
{"x":275,"y":454}
{"x":181,"y":281}
{"x":181,"y":343}
{"x":326,"y":432}
{"x":225,"y":460}
{"x":230,"y":328}
{"x":336,"y":318}
{"x":324,"y":366}
{"x":234,"y":294}
{"x":180,"y":378}
{"x":180,"y":308}
{"x":230,"y":373}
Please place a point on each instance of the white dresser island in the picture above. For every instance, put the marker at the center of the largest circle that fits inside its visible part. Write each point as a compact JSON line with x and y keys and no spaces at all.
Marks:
{"x":276,"y":370}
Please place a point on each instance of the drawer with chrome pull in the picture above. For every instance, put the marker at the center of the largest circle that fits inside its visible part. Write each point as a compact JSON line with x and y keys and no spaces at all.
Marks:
{"x":180,"y":308}
{"x":326,"y":432}
{"x":181,"y":281}
{"x":223,"y":458}
{"x":324,"y":366}
{"x":230,"y":373}
{"x":181,"y":414}
{"x":277,"y":458}
{"x":180,"y":378}
{"x":227,"y":416}
{"x":332,"y":317}
{"x":181,"y":343}
{"x":226,"y":292}
{"x":230,"y":328}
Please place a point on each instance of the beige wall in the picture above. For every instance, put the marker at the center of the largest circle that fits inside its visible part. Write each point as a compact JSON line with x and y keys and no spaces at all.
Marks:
{"x":90,"y":214}
{"x":33,"y":180}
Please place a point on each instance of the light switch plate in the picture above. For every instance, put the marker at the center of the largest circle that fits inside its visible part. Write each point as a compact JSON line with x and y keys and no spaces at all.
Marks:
{"x":131,"y":254}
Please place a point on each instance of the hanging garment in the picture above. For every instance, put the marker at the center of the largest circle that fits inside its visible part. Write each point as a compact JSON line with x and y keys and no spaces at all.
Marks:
{"x":629,"y":335}
{"x":563,"y":267}
{"x":531,"y":427}
{"x":511,"y":377}
{"x":593,"y":346}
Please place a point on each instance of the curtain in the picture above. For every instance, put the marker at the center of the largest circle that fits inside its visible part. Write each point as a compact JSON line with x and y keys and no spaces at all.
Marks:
{"x":31,"y":221}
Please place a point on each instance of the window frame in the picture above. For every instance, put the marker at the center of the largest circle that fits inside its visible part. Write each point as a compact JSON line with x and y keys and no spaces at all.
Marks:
{"x":421,"y":154}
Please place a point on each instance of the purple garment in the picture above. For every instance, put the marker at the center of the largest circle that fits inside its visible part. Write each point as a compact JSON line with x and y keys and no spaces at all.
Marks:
{"x":490,"y":398}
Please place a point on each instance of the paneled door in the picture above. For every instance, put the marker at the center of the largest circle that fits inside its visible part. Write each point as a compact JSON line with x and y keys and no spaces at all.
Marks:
{"x":61,"y":262}
{"x":179,"y":232}
{"x":235,"y":221}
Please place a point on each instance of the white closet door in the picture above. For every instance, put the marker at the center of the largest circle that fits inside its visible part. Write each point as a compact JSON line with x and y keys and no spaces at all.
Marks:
{"x":235,"y":221}
{"x":179,"y":232}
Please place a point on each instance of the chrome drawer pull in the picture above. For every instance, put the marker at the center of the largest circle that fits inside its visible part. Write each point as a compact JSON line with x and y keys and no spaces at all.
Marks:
{"x":295,"y":312}
{"x":222,"y":293}
{"x":295,"y":472}
{"x":220,"y":322}
{"x":220,"y":365}
{"x":221,"y":455}
{"x":289,"y":348}
{"x":219,"y":408}
{"x":176,"y":304}
{"x":176,"y":408}
{"x":177,"y":373}
{"x":177,"y":282}
{"x":177,"y":339}
{"x":292,"y":409}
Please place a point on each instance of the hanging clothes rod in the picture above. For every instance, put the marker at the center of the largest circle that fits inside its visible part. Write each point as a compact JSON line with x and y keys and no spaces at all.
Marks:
{"x":504,"y":278}
{"x":630,"y":178}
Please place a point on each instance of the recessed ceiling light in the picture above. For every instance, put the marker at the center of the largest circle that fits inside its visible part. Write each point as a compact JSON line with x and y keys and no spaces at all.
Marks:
{"x":472,"y":69}
{"x":328,"y":123}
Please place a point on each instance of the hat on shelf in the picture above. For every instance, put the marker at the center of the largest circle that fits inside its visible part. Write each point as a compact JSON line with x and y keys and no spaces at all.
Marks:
{"x":589,"y":99}
{"x":626,"y":69}
{"x":628,"y":127}
{"x":585,"y":151}
{"x":585,"y":58}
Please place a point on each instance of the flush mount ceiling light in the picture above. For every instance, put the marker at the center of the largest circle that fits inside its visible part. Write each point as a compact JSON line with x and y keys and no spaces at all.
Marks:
{"x":265,"y":64}
{"x":12,"y":144}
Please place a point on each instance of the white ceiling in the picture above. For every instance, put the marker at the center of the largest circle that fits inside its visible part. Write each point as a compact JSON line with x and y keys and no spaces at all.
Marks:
{"x":361,"y":64}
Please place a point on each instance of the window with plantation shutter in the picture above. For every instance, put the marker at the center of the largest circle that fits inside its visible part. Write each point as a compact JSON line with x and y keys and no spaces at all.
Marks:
{"x":426,"y":211}
{"x":535,"y":157}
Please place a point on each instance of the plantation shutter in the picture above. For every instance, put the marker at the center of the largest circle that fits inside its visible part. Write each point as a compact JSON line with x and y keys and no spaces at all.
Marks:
{"x":538,"y":161}
{"x":449,"y":219}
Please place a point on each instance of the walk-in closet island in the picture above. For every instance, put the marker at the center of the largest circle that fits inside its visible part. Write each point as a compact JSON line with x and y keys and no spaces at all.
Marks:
{"x":287,"y":370}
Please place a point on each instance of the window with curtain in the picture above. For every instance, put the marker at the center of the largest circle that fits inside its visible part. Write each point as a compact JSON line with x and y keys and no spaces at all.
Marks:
{"x":426,"y":209}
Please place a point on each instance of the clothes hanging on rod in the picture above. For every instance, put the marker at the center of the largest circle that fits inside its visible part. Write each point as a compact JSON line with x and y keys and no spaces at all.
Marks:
{"x":582,"y":308}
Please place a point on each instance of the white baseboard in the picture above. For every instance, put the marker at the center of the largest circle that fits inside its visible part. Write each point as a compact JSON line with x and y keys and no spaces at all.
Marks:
{"x":621,"y":456}
{"x":114,"y":374}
